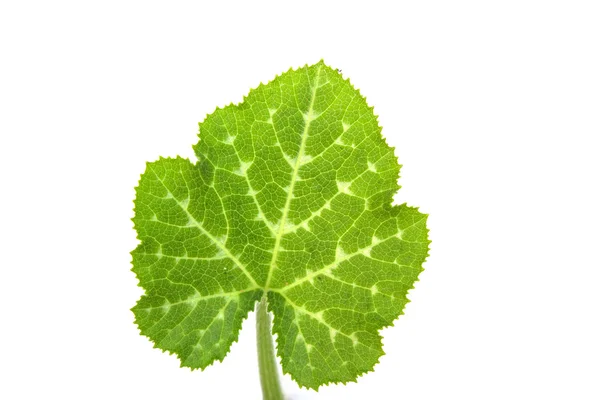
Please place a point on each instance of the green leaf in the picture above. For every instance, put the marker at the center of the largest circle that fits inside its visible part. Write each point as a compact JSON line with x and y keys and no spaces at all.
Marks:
{"x":291,"y":197}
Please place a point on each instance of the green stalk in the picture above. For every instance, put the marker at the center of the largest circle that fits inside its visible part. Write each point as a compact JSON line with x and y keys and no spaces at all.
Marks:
{"x":267,"y":362}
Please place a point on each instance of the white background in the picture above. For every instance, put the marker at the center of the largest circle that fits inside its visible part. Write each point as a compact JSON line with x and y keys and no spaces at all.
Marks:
{"x":494,"y":110}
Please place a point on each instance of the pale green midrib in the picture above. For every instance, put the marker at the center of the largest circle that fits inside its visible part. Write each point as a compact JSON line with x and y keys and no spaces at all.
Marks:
{"x":338,"y":261}
{"x":288,"y":200}
{"x":182,"y":257}
{"x":208,"y":297}
{"x":327,"y":268}
{"x":211,"y":237}
{"x":315,"y":317}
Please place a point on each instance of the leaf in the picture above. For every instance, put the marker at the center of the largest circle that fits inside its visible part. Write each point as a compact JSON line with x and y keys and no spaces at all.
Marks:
{"x":291,"y":197}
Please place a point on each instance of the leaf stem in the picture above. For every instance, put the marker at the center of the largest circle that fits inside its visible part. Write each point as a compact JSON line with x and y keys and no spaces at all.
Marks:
{"x":267,"y":363}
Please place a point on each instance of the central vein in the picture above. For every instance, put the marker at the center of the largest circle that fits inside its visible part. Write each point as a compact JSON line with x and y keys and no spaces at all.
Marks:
{"x":288,"y":201}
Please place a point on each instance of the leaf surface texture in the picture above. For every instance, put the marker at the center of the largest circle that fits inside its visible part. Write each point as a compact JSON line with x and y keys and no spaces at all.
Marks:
{"x":291,"y":197}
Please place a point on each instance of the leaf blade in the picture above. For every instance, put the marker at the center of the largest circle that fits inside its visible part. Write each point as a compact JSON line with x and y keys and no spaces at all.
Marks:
{"x":185,"y":266}
{"x":292,"y":196}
